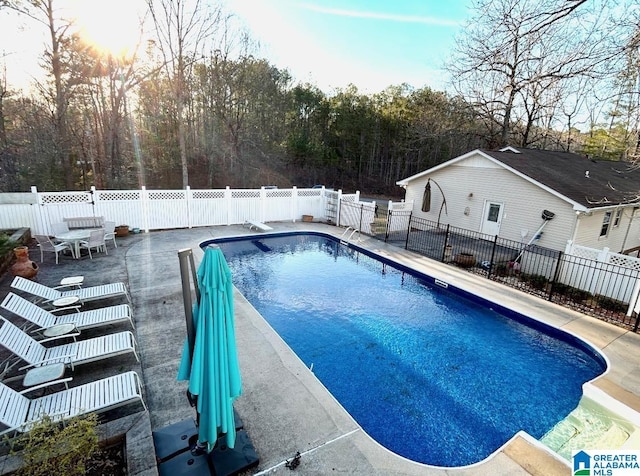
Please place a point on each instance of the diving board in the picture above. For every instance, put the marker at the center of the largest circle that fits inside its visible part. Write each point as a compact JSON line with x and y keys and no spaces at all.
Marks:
{"x":257,"y":225}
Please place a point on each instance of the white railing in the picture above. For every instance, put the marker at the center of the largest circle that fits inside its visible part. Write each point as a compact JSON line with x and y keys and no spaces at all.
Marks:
{"x":165,"y":209}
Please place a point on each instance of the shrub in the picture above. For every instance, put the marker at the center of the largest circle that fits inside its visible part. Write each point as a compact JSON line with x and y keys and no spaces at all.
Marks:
{"x":501,"y":269}
{"x":6,"y":244}
{"x":536,"y":281}
{"x":53,"y":448}
{"x":572,"y":293}
{"x":611,"y":304}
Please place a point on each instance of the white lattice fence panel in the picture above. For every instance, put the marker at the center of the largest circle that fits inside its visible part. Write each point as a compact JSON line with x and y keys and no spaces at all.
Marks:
{"x":21,"y":216}
{"x":534,"y":263}
{"x":598,"y":278}
{"x":402,"y":205}
{"x":617,"y":283}
{"x":121,"y":206}
{"x":577,"y":273}
{"x":351,"y":197}
{"x":56,"y":206}
{"x":278,"y":205}
{"x":583,"y":252}
{"x":208,"y":208}
{"x":245,"y":205}
{"x":624,"y":261}
{"x":167,"y":209}
{"x":310,"y":204}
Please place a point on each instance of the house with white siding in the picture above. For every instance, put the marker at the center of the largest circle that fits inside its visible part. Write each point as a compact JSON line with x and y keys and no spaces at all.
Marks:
{"x":533,"y":196}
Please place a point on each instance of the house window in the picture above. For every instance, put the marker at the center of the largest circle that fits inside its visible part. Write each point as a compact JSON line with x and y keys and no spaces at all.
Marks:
{"x":605,"y":224}
{"x":616,"y":219}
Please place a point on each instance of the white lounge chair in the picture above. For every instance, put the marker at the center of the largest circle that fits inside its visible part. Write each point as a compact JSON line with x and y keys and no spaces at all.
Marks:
{"x":82,"y":320}
{"x":48,"y":295}
{"x":257,"y":225}
{"x":74,"y":353}
{"x":18,"y":413}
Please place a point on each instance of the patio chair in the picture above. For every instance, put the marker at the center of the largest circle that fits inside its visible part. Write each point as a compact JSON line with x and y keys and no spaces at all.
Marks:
{"x":82,"y":320}
{"x":48,"y":295}
{"x":96,"y":240}
{"x":46,"y":244}
{"x":60,"y":227}
{"x":110,"y":232}
{"x":19,"y":413}
{"x":80,"y":352}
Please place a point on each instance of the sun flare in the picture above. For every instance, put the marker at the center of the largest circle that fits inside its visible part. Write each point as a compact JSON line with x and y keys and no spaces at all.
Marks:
{"x":113,"y":27}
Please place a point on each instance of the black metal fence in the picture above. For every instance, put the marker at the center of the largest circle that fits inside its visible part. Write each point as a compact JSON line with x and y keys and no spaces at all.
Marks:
{"x":592,"y":287}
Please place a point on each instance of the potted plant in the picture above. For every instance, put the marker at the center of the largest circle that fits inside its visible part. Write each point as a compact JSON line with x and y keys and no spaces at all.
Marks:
{"x":466,"y":260}
{"x":122,"y":230}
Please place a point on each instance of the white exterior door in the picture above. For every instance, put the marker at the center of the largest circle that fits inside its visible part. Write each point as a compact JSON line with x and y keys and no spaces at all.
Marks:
{"x":492,"y":218}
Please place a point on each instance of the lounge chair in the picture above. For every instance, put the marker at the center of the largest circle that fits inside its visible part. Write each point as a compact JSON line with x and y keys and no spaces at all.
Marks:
{"x":82,"y":320}
{"x":20,"y":413}
{"x":48,"y":294}
{"x":74,"y":353}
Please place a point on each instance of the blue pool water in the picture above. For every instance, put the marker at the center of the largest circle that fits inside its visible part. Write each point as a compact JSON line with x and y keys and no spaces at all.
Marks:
{"x":434,"y":375}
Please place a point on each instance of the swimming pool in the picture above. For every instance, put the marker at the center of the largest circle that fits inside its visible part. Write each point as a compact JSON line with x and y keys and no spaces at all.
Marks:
{"x":433,"y":374}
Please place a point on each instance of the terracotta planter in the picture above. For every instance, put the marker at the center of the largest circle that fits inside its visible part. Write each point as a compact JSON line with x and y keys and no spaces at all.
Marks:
{"x":466,"y":260}
{"x":23,"y":266}
{"x":122,"y":230}
{"x":307,"y":218}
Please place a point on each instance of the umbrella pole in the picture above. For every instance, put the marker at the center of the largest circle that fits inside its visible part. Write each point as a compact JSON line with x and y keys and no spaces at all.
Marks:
{"x":183,"y":256}
{"x":186,"y":260}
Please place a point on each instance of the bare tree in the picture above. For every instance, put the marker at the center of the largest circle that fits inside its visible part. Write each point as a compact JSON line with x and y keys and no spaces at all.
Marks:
{"x":514,"y":51}
{"x":183,"y":28}
{"x":63,"y":78}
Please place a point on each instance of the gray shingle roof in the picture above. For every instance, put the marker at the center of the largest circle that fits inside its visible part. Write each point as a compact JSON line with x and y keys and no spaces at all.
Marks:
{"x":607,"y":183}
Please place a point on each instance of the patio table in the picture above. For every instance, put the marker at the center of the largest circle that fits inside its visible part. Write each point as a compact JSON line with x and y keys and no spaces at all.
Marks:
{"x":43,"y":374}
{"x":74,"y":237}
{"x":72,"y":282}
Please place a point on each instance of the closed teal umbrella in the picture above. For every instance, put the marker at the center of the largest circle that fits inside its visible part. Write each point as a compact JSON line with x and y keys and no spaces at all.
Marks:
{"x":212,"y":365}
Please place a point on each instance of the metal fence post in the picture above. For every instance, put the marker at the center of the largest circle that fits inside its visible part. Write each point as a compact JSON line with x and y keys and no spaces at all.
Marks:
{"x":386,"y":231}
{"x":554,"y":278}
{"x":493,"y":254}
{"x":444,"y":254}
{"x":406,"y":240}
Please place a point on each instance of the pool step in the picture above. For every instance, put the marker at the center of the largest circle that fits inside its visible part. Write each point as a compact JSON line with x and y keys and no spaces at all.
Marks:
{"x":583,"y":429}
{"x":633,"y":443}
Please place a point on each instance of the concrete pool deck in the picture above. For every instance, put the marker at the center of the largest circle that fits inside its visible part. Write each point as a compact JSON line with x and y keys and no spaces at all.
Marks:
{"x":285,"y":409}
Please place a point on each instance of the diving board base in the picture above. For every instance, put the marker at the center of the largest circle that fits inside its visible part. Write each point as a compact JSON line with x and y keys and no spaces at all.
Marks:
{"x":257,"y":225}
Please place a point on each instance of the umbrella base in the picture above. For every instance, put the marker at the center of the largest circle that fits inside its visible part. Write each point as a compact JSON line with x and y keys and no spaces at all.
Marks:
{"x":229,"y":462}
{"x":186,"y":463}
{"x":174,"y":439}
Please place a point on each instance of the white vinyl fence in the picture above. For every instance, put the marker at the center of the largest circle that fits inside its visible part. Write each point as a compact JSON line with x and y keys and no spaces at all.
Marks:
{"x":579,"y":271}
{"x":166,"y":209}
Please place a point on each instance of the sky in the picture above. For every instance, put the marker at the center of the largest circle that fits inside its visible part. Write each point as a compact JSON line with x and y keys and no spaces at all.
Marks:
{"x":369,"y":43}
{"x":372,"y":44}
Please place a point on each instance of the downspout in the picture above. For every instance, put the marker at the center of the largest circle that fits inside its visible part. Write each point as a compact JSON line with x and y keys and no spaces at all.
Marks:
{"x":576,"y":226}
{"x":626,"y":235}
